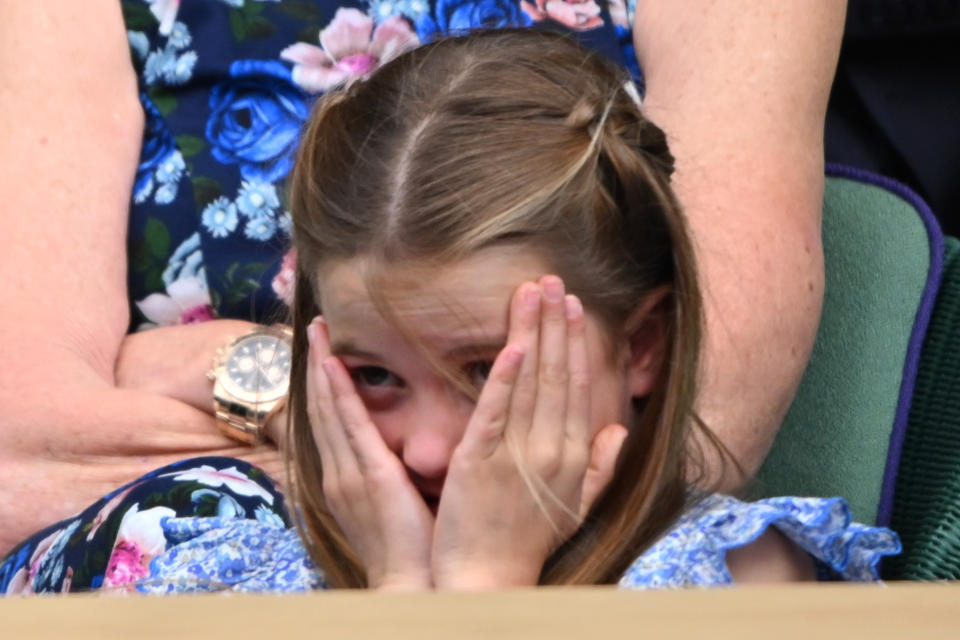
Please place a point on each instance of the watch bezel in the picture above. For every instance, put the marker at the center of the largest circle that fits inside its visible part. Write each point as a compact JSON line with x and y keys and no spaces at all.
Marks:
{"x":236,"y":391}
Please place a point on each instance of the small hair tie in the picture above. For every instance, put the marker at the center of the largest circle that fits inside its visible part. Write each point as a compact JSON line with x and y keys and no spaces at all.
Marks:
{"x":631,"y":90}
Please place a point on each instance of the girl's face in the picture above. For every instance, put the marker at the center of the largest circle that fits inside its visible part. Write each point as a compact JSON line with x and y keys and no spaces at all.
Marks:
{"x":459,"y":314}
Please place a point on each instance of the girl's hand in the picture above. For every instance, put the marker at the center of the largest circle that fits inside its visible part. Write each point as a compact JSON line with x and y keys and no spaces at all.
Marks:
{"x":365,"y":485}
{"x":513,"y":491}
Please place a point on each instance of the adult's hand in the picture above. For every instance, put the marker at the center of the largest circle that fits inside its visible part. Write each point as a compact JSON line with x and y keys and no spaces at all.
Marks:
{"x":741,"y":87}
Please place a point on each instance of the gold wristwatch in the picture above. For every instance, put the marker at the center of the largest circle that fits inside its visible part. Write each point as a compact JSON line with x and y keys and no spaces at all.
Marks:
{"x":251,"y":375}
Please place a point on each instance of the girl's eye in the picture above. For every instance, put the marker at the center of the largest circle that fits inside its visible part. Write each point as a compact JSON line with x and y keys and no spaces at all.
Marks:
{"x":374,"y":377}
{"x":477,"y":372}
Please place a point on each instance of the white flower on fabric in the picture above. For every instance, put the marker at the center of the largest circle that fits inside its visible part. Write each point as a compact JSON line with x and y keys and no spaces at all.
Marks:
{"x":139,"y":538}
{"x":186,"y":301}
{"x":350,"y":49}
{"x":158,"y":65}
{"x":233,"y":3}
{"x":186,"y":262}
{"x":166,"y":193}
{"x":380,"y":10}
{"x":171,"y":169}
{"x":618,"y":13}
{"x":181,"y":70}
{"x":167,"y":65}
{"x":220,"y":217}
{"x":139,"y":43}
{"x":141,"y":195}
{"x":285,"y":222}
{"x":260,"y":228}
{"x":230,"y":477}
{"x":165,"y":11}
{"x":180,"y":37}
{"x":267,"y":516}
{"x":143,"y":527}
{"x":257,"y":199}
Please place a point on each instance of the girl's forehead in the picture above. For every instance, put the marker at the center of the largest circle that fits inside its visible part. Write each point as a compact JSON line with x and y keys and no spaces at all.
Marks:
{"x":472,"y":294}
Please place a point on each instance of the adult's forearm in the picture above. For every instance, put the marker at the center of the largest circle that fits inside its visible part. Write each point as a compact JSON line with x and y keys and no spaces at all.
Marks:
{"x":63,"y":446}
{"x":741,"y":87}
{"x":173,"y":362}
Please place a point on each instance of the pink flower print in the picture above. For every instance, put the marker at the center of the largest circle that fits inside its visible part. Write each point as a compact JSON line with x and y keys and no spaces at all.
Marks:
{"x":231,"y":477}
{"x":67,"y":581}
{"x":165,"y":11}
{"x":187,"y":300}
{"x":139,"y":538}
{"x":198,"y":313}
{"x":580,"y":15}
{"x":284,"y":280}
{"x":350,"y":49}
{"x":125,"y":565}
{"x":20,"y":584}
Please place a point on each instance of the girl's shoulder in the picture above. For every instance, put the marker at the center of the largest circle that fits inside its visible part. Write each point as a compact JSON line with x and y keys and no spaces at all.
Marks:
{"x":694,"y":550}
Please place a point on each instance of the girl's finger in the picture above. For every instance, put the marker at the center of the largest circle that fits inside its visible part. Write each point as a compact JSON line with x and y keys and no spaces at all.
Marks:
{"x":525,"y":331}
{"x":550,"y":411}
{"x":364,"y":439}
{"x":325,"y":424}
{"x":485,"y":430}
{"x":578,"y":368}
{"x":604,"y":451}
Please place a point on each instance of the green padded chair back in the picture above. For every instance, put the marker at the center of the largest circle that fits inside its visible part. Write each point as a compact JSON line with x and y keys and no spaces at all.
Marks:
{"x":844,"y":432}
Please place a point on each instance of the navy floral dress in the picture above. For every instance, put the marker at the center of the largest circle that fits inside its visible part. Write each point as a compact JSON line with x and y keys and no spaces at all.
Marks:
{"x":226,"y":86}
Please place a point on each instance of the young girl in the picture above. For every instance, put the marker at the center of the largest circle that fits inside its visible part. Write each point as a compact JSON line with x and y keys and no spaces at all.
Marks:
{"x":496,"y":337}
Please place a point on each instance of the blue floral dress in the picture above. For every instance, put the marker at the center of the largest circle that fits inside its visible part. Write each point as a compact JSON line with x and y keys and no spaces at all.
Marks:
{"x":226,"y":86}
{"x":214,"y":524}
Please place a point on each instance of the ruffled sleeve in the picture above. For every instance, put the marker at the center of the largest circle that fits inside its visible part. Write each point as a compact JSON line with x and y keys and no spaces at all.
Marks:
{"x":693,"y":551}
{"x":217,"y":554}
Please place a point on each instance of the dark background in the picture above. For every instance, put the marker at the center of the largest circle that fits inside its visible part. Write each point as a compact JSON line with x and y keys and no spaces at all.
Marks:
{"x":895,"y":104}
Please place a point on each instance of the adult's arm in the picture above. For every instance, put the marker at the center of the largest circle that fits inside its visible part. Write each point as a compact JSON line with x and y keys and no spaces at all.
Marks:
{"x":70,"y":132}
{"x":741,"y":88}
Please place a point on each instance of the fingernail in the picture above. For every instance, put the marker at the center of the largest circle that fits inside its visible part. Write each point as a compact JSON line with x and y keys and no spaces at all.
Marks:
{"x":553,"y":288}
{"x":574,"y":308}
{"x":515,"y":355}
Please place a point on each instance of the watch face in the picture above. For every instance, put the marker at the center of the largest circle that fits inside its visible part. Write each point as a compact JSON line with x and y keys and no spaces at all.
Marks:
{"x":258,"y":368}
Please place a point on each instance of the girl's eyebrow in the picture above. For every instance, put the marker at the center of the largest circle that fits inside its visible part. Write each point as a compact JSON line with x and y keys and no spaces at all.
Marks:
{"x":350,"y":348}
{"x":484,"y":348}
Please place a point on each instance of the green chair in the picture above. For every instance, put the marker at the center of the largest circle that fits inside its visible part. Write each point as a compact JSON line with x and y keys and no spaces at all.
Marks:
{"x":877,"y":415}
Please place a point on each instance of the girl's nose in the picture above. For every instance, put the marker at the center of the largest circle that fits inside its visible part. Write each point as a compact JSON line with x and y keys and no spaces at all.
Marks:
{"x":432,"y":436}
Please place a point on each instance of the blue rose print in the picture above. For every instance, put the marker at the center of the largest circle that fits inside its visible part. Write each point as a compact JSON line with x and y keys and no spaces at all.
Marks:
{"x":255,"y":119}
{"x":459,"y":16}
{"x":160,"y":162}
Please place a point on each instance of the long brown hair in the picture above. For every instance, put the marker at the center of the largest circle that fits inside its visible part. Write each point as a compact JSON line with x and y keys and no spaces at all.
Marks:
{"x":508,"y":136}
